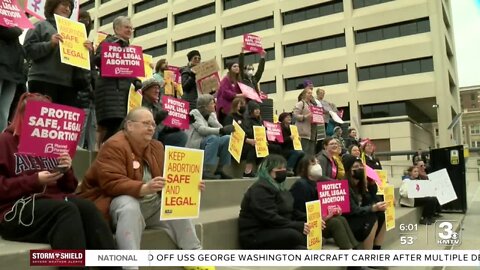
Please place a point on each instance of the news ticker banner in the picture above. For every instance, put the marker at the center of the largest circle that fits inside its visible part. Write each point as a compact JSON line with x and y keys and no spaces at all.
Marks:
{"x":255,"y":257}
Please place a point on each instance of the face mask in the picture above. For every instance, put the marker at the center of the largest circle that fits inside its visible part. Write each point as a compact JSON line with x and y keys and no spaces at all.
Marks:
{"x":280,"y":176}
{"x":316,"y":171}
{"x":250,"y":73}
{"x":359,"y":174}
{"x":242,"y":110}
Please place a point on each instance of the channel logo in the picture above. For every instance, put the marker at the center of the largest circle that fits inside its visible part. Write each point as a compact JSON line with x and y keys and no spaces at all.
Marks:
{"x":57,"y":257}
{"x":445,"y":234}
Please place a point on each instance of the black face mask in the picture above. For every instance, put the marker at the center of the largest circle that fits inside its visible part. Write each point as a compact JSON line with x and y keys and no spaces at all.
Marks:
{"x":242,"y":110}
{"x":280,"y":176}
{"x":359,"y":174}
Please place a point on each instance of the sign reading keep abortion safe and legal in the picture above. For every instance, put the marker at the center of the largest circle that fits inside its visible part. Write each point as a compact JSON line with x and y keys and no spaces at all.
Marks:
{"x":50,"y":129}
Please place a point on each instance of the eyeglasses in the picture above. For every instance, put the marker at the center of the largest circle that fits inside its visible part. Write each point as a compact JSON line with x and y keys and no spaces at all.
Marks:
{"x":146,"y":124}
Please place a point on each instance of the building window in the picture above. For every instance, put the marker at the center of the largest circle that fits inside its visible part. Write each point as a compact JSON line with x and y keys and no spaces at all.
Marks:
{"x":392,"y":31}
{"x":366,"y":3}
{"x":249,"y":27}
{"x":151,"y":27}
{"x":194,"y":41}
{"x":110,"y":17}
{"x":312,"y":12}
{"x":475,"y":130}
{"x":315,"y":45}
{"x":475,"y":143}
{"x":328,"y":78}
{"x":250,"y":58}
{"x":156,"y":51}
{"x":228,"y":4}
{"x":147,"y":4}
{"x":195,"y":13}
{"x":268,"y":87}
{"x":104,"y":1}
{"x":87,"y":5}
{"x":436,"y":132}
{"x":395,"y":69}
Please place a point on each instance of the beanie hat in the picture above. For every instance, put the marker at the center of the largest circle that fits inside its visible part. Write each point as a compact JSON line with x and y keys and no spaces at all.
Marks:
{"x":348,"y":161}
{"x":147,"y":84}
{"x":307,"y":83}
{"x":283,"y":116}
{"x":192,"y":54}
{"x":336,"y":128}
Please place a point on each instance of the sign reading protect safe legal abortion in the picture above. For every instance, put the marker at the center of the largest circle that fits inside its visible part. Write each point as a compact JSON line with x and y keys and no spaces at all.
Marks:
{"x":333,"y":195}
{"x":117,"y":61}
{"x":177,"y":112}
{"x":252,"y":43}
{"x":11,"y":15}
{"x":50,"y":129}
{"x":181,"y":194}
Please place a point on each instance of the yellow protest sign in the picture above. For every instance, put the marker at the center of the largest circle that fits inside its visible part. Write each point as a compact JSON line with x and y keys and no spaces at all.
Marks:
{"x":384,"y":178}
{"x":260,"y":136}
{"x":314,"y":220}
{"x":237,"y":139}
{"x":100,"y":37}
{"x":297,"y":145}
{"x":134,"y":99}
{"x":183,"y":173}
{"x":389,"y":198}
{"x":72,"y":50}
{"x":147,"y":62}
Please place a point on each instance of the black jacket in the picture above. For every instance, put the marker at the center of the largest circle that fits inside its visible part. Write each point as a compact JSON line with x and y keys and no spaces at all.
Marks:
{"x":233,"y":116}
{"x":363,"y":207}
{"x":12,"y":55}
{"x":264,"y":206}
{"x":248,"y":124}
{"x":253,"y":80}
{"x":326,"y":165}
{"x":349,"y":141}
{"x":111,"y":94}
{"x":373,"y":162}
{"x":303,"y":190}
{"x":189,"y":86}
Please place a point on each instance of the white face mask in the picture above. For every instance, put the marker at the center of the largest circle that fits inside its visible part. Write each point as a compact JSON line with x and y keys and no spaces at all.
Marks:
{"x":250,"y":73}
{"x":316,"y":171}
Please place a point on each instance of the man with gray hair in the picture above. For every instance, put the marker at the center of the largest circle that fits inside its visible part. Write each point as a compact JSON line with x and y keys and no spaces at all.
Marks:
{"x":125,"y":182}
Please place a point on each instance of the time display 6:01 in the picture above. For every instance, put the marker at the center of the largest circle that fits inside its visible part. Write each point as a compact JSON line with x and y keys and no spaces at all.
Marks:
{"x":408,"y":227}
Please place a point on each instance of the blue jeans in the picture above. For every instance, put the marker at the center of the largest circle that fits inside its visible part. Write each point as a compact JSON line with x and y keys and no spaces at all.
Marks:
{"x":7,"y":92}
{"x":89,"y":129}
{"x":293,"y":156}
{"x":178,"y":138}
{"x":216,"y":146}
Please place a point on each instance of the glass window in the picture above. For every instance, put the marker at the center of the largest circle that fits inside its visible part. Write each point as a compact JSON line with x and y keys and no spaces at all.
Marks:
{"x":87,"y":5}
{"x":104,"y":1}
{"x":392,"y":30}
{"x":360,"y":37}
{"x":151,"y":27}
{"x":363,"y":74}
{"x":251,"y":58}
{"x":423,"y":26}
{"x":147,"y":4}
{"x":394,"y":69}
{"x":408,"y":29}
{"x":328,"y":78}
{"x":228,"y":4}
{"x":315,"y":45}
{"x":377,"y":72}
{"x":194,"y":41}
{"x":411,"y":67}
{"x":268,"y":87}
{"x":366,"y":3}
{"x":311,"y":12}
{"x":156,"y":51}
{"x":374,"y":35}
{"x":426,"y":64}
{"x":475,"y":130}
{"x":249,"y":27}
{"x":195,"y":13}
{"x":110,"y":17}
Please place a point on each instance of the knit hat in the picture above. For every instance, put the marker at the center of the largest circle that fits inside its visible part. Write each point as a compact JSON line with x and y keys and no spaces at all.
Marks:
{"x":192,"y":54}
{"x":283,"y":115}
{"x":348,"y":161}
{"x":202,"y":103}
{"x":252,"y":106}
{"x":229,"y":65}
{"x":336,"y":128}
{"x":307,"y":83}
{"x":147,"y":84}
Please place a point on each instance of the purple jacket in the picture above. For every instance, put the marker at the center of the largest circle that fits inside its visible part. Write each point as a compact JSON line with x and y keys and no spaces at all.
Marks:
{"x":226,"y":94}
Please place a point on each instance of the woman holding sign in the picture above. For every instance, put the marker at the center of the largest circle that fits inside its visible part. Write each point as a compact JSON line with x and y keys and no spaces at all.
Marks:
{"x":228,"y":91}
{"x":267,"y":218}
{"x":37,"y":200}
{"x":304,"y":121}
{"x":305,"y":190}
{"x":367,"y":215}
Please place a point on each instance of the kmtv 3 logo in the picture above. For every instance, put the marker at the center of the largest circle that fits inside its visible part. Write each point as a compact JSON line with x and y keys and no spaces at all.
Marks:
{"x":445,"y":233}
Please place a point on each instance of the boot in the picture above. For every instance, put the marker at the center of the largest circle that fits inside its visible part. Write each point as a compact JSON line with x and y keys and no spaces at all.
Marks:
{"x":208,"y":172}
{"x":223,"y":175}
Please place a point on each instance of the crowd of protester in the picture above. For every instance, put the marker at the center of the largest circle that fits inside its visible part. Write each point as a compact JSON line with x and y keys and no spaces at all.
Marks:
{"x":126,"y":196}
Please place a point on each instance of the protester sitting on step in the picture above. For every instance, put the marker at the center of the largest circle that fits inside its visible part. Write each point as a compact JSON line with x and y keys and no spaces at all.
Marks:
{"x":329,"y":164}
{"x":267,"y":217}
{"x":237,"y":112}
{"x":37,"y":200}
{"x":152,"y":101}
{"x":428,"y":203}
{"x":228,"y":91}
{"x":287,"y":150}
{"x":354,"y":151}
{"x":208,"y":134}
{"x":337,"y":156}
{"x":351,"y":138}
{"x":367,"y":215}
{"x":423,"y":175}
{"x":125,"y":182}
{"x":305,"y":190}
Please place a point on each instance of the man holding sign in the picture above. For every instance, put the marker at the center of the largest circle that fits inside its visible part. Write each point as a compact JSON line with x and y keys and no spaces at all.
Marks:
{"x":128,"y":195}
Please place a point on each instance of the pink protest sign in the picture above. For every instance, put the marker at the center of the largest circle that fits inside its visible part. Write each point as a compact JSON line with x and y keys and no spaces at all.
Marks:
{"x":274,"y":132}
{"x":177,"y":112}
{"x":252,"y":43}
{"x":317,"y":115}
{"x":334,"y":195}
{"x":372,"y":174}
{"x":50,"y":129}
{"x":249,"y":92}
{"x":176,"y":72}
{"x":117,"y":61}
{"x":12,"y":16}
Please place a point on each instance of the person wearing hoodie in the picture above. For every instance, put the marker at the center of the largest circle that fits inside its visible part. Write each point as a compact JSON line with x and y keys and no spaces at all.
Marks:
{"x":207,"y":133}
{"x":248,"y":75}
{"x":189,"y":83}
{"x":228,"y":91}
{"x":11,"y":69}
{"x":151,"y":100}
{"x":48,"y":75}
{"x":37,"y":203}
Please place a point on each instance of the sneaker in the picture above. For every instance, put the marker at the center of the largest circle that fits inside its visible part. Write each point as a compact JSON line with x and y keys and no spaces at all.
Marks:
{"x":249,"y":175}
{"x":426,"y":221}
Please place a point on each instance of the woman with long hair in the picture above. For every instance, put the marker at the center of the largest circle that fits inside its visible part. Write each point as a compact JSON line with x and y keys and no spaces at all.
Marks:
{"x":37,"y":200}
{"x":303,"y":116}
{"x":305,"y":190}
{"x":237,"y":112}
{"x":326,"y":159}
{"x":228,"y":91}
{"x":267,"y":218}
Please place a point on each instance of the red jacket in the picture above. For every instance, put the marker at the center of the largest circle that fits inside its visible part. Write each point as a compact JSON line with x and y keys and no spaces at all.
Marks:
{"x":19,"y":175}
